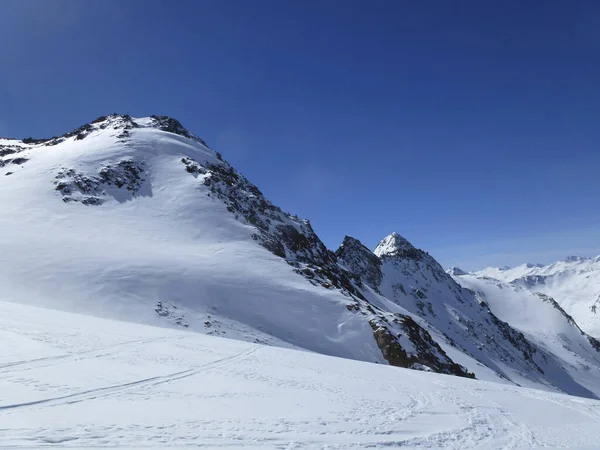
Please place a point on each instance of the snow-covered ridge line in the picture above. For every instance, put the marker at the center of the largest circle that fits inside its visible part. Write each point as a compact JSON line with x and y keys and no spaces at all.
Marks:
{"x":114,"y":121}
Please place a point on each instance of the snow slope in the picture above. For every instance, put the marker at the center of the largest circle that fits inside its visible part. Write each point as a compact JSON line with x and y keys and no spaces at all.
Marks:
{"x":159,"y":250}
{"x":573,"y":282}
{"x":75,"y":381}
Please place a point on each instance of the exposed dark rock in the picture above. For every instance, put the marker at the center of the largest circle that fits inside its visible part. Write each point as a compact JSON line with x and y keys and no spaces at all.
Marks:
{"x":91,"y":189}
{"x":360,"y":261}
{"x":169,"y":312}
{"x":428,"y":352}
{"x":284,"y":235}
{"x":5,"y":151}
{"x":15,"y":161}
{"x":171,"y":125}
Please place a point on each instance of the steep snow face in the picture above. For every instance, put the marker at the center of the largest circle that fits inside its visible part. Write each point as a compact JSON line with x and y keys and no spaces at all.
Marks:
{"x":413,"y":280}
{"x":545,"y":323}
{"x":137,"y":219}
{"x":74,"y":381}
{"x":573,"y":282}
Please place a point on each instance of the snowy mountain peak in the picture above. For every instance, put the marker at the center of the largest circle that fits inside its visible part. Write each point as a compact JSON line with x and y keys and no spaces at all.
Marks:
{"x":456,"y":271}
{"x":393,"y":245}
{"x":358,"y":259}
{"x":162,"y":123}
{"x":122,"y":123}
{"x":349,"y":241}
{"x":352,"y":245}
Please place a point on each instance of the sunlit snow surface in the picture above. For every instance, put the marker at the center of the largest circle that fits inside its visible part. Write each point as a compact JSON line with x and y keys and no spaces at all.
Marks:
{"x":72,"y":381}
{"x":573,"y":282}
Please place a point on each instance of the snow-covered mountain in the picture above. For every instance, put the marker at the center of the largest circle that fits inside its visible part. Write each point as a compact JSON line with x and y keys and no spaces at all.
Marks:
{"x":573,"y":282}
{"x":410,"y":278}
{"x":138,"y":219}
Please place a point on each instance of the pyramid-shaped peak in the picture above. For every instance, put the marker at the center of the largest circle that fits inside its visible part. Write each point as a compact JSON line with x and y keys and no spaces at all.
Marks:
{"x":353,"y":249}
{"x":360,"y":261}
{"x":351,"y":242}
{"x":392,"y":245}
{"x":456,"y":271}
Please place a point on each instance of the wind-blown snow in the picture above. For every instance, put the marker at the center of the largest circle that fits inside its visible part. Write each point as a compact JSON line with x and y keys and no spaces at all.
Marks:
{"x":74,"y":381}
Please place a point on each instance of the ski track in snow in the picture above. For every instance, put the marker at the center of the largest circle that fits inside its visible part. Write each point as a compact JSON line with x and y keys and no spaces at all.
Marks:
{"x":146,"y":387}
{"x":50,"y":360}
{"x":120,"y":388}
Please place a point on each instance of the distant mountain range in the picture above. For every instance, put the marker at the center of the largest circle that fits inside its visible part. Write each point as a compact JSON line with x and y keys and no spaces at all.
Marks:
{"x":574,"y":282}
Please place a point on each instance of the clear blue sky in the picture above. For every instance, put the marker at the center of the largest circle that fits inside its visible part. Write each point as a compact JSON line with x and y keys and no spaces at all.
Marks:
{"x":470,"y":127}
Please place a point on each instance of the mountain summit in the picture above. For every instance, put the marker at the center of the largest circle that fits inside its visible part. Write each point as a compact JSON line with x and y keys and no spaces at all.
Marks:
{"x":456,"y":271}
{"x":393,"y":245}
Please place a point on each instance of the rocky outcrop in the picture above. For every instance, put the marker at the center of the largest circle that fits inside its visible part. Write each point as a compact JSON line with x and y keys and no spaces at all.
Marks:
{"x":358,"y":259}
{"x":125,"y":175}
{"x":426,"y":352}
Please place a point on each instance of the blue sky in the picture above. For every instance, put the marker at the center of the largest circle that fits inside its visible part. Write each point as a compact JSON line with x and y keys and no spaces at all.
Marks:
{"x":469,"y":127}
